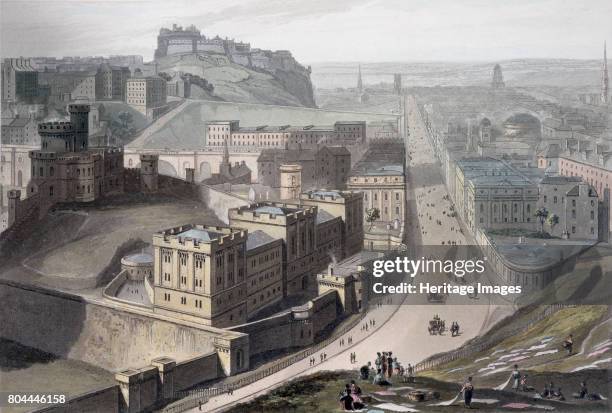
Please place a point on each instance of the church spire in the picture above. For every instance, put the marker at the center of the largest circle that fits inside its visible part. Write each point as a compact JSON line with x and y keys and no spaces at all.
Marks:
{"x":359,"y":81}
{"x":605,"y":81}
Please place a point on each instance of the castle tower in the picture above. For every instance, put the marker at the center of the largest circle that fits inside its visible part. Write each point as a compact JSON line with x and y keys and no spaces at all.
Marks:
{"x":290,"y":181}
{"x":359,"y":81}
{"x":14,"y":197}
{"x":498,"y":78}
{"x":605,"y":80}
{"x":79,"y":118}
{"x":149,"y":175}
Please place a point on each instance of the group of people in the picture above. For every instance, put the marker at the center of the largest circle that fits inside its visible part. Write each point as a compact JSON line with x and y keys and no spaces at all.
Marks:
{"x":342,"y":342}
{"x":350,"y":397}
{"x":353,"y":357}
{"x":367,"y":325}
{"x":322,"y":356}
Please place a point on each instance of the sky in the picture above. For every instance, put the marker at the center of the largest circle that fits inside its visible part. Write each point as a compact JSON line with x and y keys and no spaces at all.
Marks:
{"x":317,"y":30}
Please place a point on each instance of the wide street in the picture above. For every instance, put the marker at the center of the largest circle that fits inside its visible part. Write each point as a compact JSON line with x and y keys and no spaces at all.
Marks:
{"x":401,"y":325}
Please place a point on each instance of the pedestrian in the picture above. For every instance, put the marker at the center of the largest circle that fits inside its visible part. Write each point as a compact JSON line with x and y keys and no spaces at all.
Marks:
{"x":516,"y":376}
{"x":200,"y":405}
{"x":468,"y":392}
{"x":321,"y":357}
{"x":390,"y":365}
{"x":324,"y":356}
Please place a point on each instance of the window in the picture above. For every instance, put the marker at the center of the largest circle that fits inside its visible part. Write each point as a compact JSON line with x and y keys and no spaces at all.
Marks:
{"x":51,"y":191}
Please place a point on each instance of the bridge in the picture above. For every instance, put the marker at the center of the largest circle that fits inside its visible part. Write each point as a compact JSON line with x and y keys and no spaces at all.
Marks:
{"x":205,"y":161}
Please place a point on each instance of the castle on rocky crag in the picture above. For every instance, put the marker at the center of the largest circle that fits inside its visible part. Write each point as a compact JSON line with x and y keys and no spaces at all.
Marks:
{"x":179,"y":40}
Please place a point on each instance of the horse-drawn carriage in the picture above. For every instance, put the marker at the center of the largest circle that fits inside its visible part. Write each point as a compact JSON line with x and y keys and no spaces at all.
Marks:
{"x":436,"y":326}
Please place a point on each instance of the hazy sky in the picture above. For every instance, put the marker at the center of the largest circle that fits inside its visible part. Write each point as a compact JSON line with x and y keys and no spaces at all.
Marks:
{"x":317,"y":30}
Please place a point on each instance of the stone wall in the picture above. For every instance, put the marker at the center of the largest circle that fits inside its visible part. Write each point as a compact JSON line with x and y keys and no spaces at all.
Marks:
{"x":220,"y":201}
{"x":102,"y":400}
{"x":196,"y":370}
{"x":297,"y":327}
{"x":112,"y":338}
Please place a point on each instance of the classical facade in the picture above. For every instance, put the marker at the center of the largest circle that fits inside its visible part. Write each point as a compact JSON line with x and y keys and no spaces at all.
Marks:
{"x":490,"y":194}
{"x":147,"y":95}
{"x":380,"y":176}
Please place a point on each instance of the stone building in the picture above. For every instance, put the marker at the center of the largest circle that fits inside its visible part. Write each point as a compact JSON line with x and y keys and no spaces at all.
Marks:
{"x":70,"y":85}
{"x":575,"y":204}
{"x":380,"y":176}
{"x":490,"y":194}
{"x":329,"y":238}
{"x":19,"y":80}
{"x":200,"y":274}
{"x":264,"y":269}
{"x":66,"y":169}
{"x":296,"y":226}
{"x":111,"y":82}
{"x":348,"y":205}
{"x":238,"y":173}
{"x":284,"y":136}
{"x":20,"y":131}
{"x":147,"y":95}
{"x":290,"y":181}
{"x":325,"y":167}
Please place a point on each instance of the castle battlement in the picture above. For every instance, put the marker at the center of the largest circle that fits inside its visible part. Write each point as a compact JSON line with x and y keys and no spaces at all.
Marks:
{"x":37,"y":154}
{"x":273,"y":212}
{"x":195,"y":236}
{"x":54,"y":127}
{"x":337,"y":197}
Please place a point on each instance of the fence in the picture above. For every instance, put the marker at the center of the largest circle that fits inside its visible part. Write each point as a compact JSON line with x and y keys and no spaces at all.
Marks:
{"x":193,"y":397}
{"x":488,"y":343}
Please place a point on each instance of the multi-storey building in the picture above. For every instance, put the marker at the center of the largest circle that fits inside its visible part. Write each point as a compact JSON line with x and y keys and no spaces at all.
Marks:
{"x":66,"y":169}
{"x":574,"y":203}
{"x":348,"y":205}
{"x":329,"y":238}
{"x":20,"y":131}
{"x":264,"y":269}
{"x":69,"y":86}
{"x":325,"y":167}
{"x":296,"y":226}
{"x":199,"y":274}
{"x":147,"y":95}
{"x":19,"y":80}
{"x":111,"y":82}
{"x":491,"y":194}
{"x":14,"y":169}
{"x":284,"y":136}
{"x":380,"y":176}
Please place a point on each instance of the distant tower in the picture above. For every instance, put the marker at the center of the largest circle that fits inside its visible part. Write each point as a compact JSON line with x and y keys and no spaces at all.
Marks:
{"x":359,"y":81}
{"x":605,"y":81}
{"x":498,"y":78}
{"x":79,"y":118}
{"x":149,"y":172}
{"x":397,"y":83}
{"x":226,"y":166}
{"x":485,"y":131}
{"x":291,"y":181}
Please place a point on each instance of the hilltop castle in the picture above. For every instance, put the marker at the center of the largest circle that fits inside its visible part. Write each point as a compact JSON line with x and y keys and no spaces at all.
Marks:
{"x":179,"y":40}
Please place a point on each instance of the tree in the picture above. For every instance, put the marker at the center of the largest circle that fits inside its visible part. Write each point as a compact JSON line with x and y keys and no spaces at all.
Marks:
{"x":541,"y":214}
{"x":372,"y":214}
{"x":126,"y":118}
{"x":552,"y":220}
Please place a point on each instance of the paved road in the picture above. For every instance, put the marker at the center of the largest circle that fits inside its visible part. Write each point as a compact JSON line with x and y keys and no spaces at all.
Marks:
{"x":157,"y":125}
{"x":401,"y":327}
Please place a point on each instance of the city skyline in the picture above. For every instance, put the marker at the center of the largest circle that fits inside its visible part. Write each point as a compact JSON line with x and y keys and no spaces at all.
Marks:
{"x":337,"y":31}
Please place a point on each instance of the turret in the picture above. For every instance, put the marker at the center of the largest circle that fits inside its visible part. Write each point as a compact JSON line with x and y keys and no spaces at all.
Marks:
{"x":79,"y":118}
{"x":149,"y":174}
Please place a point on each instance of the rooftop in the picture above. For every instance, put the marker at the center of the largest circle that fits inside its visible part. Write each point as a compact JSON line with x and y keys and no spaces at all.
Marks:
{"x":200,"y":234}
{"x":258,"y":238}
{"x":323,"y":216}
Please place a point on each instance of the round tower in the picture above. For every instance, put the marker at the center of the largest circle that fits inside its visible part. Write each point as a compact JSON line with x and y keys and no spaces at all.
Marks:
{"x":79,"y":118}
{"x":149,"y":172}
{"x":290,"y":181}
